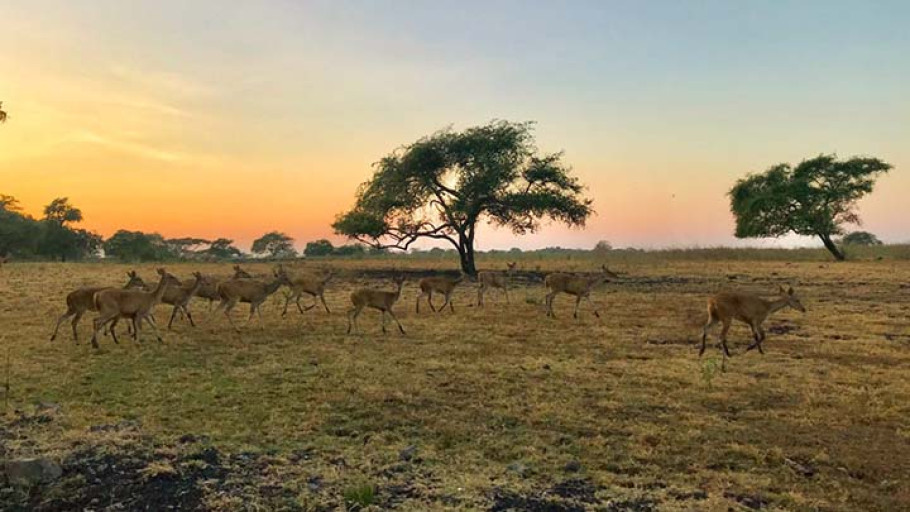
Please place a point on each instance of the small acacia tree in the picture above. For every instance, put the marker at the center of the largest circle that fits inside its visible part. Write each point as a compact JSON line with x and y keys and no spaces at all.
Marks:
{"x":815,"y":198}
{"x":3,"y":115}
{"x":441,"y":186}
{"x":860,"y":238}
{"x":275,"y":244}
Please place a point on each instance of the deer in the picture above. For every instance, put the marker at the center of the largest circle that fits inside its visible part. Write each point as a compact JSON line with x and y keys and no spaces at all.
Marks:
{"x":494,"y":280}
{"x":136,"y":305}
{"x":253,"y":291}
{"x":579,"y":286}
{"x":375,"y":299}
{"x":3,"y":260}
{"x":82,"y":299}
{"x":749,"y":309}
{"x":440,"y":284}
{"x":311,"y":285}
{"x":239,"y":273}
{"x":179,"y":297}
{"x":209,"y":288}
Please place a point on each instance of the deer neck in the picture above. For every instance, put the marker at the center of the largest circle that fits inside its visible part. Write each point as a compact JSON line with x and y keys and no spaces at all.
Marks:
{"x":195,"y":288}
{"x":272,"y":287}
{"x":159,"y":290}
{"x":776,"y":305}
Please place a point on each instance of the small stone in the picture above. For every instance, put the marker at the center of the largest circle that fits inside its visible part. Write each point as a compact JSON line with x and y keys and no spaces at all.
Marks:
{"x":573,"y":466}
{"x":408,"y":453}
{"x":30,"y":472}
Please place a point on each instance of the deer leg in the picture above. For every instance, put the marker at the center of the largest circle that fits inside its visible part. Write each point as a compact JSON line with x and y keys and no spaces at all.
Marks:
{"x":173,"y":315}
{"x":352,"y":317}
{"x":259,"y":315}
{"x":430,"y":301}
{"x":480,"y":296}
{"x":419,"y":295}
{"x":577,"y":302}
{"x":382,"y":321}
{"x":60,"y":321}
{"x":723,"y":337}
{"x":449,"y":301}
{"x":549,"y":302}
{"x":287,"y":300}
{"x":712,"y":321}
{"x":154,"y":328}
{"x":75,"y":323}
{"x":505,"y":290}
{"x":99,"y":324}
{"x":189,"y":316}
{"x":400,"y":328}
{"x":227,"y":307}
{"x":596,"y":312}
{"x":326,"y":306}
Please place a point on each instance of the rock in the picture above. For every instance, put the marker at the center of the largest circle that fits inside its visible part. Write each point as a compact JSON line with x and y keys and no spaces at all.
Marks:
{"x":573,"y":466}
{"x":408,"y":453}
{"x":30,"y":472}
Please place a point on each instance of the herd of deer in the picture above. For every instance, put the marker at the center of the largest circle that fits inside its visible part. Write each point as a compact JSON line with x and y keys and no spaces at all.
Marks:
{"x":135,"y":301}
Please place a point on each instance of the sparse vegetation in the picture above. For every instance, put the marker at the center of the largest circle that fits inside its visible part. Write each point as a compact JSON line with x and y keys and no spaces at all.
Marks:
{"x":505,"y":410}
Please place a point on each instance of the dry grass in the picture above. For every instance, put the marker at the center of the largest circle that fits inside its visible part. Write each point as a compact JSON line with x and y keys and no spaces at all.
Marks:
{"x":501,"y":399}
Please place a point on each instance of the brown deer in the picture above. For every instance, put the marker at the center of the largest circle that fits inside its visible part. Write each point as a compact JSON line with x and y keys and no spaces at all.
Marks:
{"x":579,"y":286}
{"x":179,"y":297}
{"x":82,"y":299}
{"x":498,"y":280}
{"x":375,"y":299}
{"x":748,"y":308}
{"x":439,"y":284}
{"x":3,"y":259}
{"x":136,"y":305}
{"x":209,"y":288}
{"x":253,"y":291}
{"x":239,"y":273}
{"x":310,"y":284}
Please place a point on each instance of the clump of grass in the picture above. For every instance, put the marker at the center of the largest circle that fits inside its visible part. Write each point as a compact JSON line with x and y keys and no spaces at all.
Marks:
{"x":709,"y":368}
{"x":359,"y":496}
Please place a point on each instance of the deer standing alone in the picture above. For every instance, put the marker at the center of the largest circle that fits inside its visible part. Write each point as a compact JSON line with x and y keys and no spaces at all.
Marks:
{"x":254,"y":291}
{"x":83,"y":299}
{"x":498,"y":280}
{"x":748,"y":308}
{"x":439,"y":284}
{"x":375,"y":299}
{"x":310,"y":284}
{"x":579,"y":286}
{"x":179,"y":297}
{"x":136,"y":305}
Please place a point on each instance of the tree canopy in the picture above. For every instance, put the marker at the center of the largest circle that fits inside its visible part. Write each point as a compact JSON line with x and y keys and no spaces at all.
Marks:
{"x":441,"y":186}
{"x":815,"y":198}
{"x":61,"y":211}
{"x":860,"y":238}
{"x":3,"y":114}
{"x":138,"y":246}
{"x":321,"y":247}
{"x":276,"y":244}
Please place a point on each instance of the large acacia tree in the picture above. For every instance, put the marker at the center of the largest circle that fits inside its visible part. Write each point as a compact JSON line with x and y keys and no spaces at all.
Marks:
{"x":815,"y":198}
{"x":441,"y":186}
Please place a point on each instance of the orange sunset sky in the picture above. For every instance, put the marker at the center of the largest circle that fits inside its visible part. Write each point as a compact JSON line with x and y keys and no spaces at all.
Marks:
{"x":235,"y":118}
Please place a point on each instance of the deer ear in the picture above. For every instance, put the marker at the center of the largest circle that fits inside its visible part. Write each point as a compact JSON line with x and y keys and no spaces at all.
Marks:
{"x":790,"y":291}
{"x":781,"y":290}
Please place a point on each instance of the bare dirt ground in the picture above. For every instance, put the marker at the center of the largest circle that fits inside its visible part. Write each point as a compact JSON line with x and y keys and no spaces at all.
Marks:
{"x":496,"y":408}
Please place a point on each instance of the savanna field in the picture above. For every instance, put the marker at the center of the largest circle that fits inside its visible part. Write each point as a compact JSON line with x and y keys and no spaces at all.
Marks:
{"x":494,"y":408}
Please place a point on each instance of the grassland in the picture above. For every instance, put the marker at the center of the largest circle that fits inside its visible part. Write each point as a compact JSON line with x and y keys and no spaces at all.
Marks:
{"x":496,"y":408}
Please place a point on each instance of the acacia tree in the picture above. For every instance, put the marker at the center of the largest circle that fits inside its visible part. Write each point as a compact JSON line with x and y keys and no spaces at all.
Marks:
{"x":276,"y":244}
{"x":860,"y":238}
{"x":3,"y":115}
{"x":815,"y":198}
{"x":441,"y":186}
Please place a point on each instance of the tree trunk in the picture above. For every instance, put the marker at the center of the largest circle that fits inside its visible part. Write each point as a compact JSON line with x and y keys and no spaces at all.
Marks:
{"x":466,"y":254}
{"x":832,"y":247}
